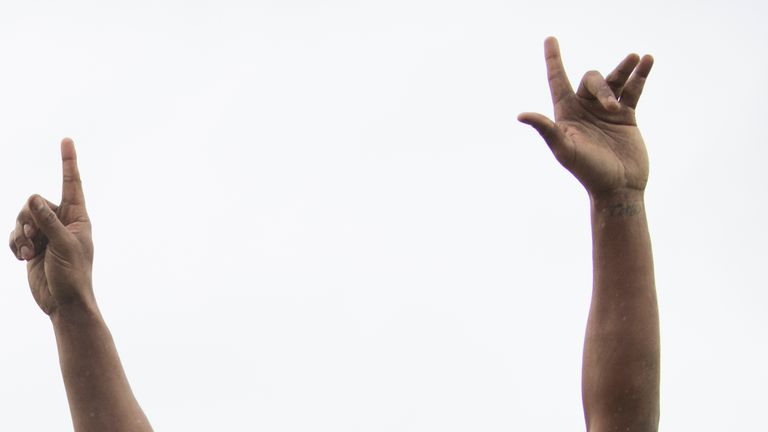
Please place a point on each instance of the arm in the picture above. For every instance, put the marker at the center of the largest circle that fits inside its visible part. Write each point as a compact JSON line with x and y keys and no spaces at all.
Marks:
{"x":596,"y":138}
{"x":56,"y":243}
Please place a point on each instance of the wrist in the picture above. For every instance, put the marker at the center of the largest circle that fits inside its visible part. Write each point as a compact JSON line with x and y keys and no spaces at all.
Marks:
{"x":76,"y":313}
{"x":618,"y":203}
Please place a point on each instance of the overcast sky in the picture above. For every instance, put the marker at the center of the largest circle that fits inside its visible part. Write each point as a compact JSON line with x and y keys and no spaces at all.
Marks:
{"x":323,"y":215}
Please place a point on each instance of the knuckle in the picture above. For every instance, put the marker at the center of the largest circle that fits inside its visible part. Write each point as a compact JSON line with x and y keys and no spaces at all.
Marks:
{"x":592,"y":74}
{"x":70,"y":178}
{"x":23,"y":215}
{"x":19,"y":238}
{"x":49,"y":218}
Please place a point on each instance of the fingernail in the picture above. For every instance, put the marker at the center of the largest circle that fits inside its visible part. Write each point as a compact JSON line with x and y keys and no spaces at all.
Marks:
{"x":26,"y":253}
{"x":28,"y":230}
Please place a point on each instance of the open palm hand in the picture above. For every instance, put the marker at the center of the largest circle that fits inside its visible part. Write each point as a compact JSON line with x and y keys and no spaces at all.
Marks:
{"x":594,"y":134}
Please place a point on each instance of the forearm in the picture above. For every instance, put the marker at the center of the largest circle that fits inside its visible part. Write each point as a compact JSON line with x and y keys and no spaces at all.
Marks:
{"x":99,"y":395}
{"x":621,"y":352}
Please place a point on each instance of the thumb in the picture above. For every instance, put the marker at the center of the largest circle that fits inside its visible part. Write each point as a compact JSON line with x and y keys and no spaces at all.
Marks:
{"x":555,"y":138}
{"x":47,"y":221}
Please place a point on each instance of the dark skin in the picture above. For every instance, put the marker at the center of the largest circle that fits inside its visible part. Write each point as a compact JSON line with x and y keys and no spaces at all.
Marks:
{"x":595,"y":134}
{"x":595,"y":137}
{"x":56,"y":243}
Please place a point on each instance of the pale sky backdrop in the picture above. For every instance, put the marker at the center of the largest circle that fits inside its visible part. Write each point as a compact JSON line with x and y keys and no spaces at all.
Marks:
{"x":323,"y":215}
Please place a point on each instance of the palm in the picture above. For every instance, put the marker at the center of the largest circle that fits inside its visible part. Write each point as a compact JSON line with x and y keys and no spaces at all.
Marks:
{"x":38,"y":283}
{"x":51,"y":276}
{"x":606,"y":151}
{"x":595,"y":135}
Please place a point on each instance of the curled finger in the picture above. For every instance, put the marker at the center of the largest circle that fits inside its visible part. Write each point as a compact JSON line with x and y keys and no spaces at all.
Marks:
{"x":24,"y":246}
{"x":12,"y":245}
{"x":594,"y":86}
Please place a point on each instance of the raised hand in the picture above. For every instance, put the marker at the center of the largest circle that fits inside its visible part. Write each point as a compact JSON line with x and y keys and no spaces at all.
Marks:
{"x":595,"y":137}
{"x":56,"y":242}
{"x":594,"y":134}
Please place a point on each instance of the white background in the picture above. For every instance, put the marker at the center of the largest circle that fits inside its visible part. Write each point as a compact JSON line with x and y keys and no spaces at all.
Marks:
{"x":323,"y":215}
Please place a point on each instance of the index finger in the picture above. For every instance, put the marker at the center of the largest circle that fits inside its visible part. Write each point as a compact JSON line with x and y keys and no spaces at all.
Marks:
{"x":559,"y":86}
{"x":72,"y":188}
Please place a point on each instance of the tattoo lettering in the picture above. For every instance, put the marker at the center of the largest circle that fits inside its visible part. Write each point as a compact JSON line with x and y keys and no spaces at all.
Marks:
{"x":624,"y":209}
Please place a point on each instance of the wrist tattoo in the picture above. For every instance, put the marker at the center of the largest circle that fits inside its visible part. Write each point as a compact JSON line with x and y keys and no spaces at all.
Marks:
{"x":624,"y":209}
